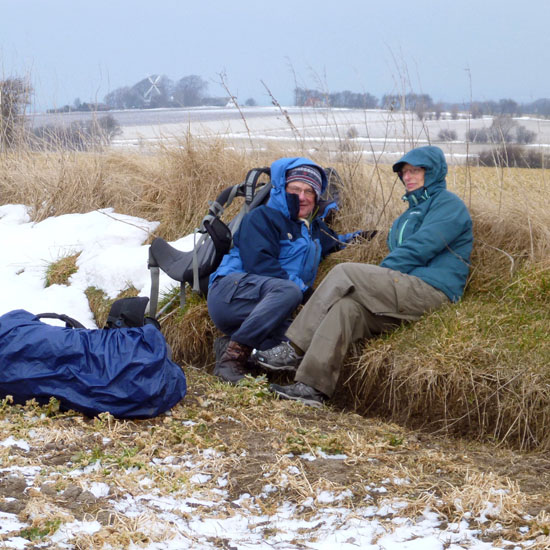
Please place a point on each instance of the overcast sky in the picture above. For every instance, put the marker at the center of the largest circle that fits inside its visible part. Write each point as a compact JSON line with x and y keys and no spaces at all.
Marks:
{"x":84,"y":49}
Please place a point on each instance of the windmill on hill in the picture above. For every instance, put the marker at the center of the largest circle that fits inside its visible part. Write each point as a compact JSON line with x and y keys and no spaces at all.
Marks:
{"x":153,"y":90}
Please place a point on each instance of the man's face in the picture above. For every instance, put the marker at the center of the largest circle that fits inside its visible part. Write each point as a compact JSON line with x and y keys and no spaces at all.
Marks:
{"x":306,"y":196}
{"x":412,"y":176}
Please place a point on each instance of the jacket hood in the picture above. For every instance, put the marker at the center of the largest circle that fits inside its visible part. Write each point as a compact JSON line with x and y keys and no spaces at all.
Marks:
{"x":430,"y":158}
{"x":278,"y":197}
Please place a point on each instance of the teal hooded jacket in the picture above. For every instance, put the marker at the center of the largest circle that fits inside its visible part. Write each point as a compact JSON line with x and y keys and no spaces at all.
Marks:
{"x":433,"y":238}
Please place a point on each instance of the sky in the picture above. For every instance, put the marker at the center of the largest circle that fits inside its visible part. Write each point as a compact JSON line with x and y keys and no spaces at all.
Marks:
{"x":112,"y":257}
{"x":452,"y":50}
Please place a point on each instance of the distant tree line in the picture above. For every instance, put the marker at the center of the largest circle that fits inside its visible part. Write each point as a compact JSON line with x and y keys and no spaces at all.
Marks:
{"x":539,"y":107}
{"x":154,"y":92}
{"x":505,"y":134}
{"x":192,"y":90}
{"x":304,"y":97}
{"x":421,"y":104}
{"x":160,"y":91}
{"x":512,"y":155}
{"x":503,"y":129}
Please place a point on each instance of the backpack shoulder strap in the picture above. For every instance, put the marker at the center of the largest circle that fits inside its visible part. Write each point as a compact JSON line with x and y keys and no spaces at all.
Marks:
{"x":212,"y":233}
{"x":251,"y":182}
{"x":254,"y":195}
{"x":219,"y":232}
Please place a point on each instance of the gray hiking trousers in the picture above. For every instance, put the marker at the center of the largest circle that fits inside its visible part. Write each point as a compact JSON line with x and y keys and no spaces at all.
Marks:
{"x":354,"y":301}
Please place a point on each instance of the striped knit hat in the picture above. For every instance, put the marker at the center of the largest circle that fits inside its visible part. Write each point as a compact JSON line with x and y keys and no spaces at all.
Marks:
{"x":306,"y":174}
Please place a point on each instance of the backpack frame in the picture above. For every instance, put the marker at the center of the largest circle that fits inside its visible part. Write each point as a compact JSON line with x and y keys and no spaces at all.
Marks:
{"x":214,"y":238}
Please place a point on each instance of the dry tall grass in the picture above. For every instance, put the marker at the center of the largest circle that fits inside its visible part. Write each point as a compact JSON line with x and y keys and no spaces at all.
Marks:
{"x":479,"y":367}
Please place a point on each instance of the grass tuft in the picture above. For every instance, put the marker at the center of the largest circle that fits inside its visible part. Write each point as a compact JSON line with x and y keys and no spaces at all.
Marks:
{"x":59,"y":272}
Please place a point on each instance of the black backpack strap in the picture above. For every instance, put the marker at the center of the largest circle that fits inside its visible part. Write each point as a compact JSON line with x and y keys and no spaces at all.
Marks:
{"x":212,"y":226}
{"x":69,"y":321}
{"x":219,"y":232}
{"x":254,"y":195}
{"x":198,"y":243}
{"x":329,"y":201}
{"x":260,"y":195}
{"x":223,"y":200}
{"x":222,"y":239}
{"x":155,"y":275}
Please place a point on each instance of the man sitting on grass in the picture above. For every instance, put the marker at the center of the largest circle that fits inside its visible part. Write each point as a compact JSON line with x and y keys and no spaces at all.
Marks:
{"x":427,"y":266}
{"x":270,"y":270}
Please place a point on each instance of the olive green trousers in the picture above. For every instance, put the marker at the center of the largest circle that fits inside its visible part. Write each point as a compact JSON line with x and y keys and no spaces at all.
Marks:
{"x":354,"y":301}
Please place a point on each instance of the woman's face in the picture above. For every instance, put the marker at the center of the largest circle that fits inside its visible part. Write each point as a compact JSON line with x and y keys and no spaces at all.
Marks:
{"x":412,"y":176}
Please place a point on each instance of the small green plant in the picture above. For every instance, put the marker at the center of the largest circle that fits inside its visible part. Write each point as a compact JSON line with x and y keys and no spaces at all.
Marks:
{"x":6,"y":403}
{"x":104,"y":420}
{"x":40,"y":531}
{"x":97,"y":454}
{"x":170,"y":301}
{"x":297,"y":444}
{"x":396,"y":440}
{"x":330,"y":445}
{"x":123,"y":459}
{"x":254,"y":391}
{"x":81,"y":458}
{"x":53,"y":407}
{"x":304,"y":441}
{"x":126,"y":459}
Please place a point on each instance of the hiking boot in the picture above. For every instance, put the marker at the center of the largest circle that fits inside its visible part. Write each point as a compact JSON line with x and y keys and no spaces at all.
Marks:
{"x":300,"y":392}
{"x":220,"y":345}
{"x":232,"y":365}
{"x":282,"y":357}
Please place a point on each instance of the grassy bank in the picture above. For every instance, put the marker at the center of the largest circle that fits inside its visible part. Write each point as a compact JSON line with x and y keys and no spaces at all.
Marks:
{"x":478,"y":368}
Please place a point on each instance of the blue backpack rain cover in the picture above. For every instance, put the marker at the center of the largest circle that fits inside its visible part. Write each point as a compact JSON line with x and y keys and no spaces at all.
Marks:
{"x":123,"y":371}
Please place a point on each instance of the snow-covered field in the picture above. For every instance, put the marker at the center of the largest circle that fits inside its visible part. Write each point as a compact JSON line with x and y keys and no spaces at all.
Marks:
{"x":371,"y":134}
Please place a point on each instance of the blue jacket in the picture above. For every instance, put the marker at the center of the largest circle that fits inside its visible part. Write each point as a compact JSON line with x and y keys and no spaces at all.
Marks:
{"x":433,"y":238}
{"x":273,"y":242}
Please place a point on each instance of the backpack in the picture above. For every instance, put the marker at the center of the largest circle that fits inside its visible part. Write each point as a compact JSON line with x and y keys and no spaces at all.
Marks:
{"x":124,"y":369}
{"x":194,"y":267}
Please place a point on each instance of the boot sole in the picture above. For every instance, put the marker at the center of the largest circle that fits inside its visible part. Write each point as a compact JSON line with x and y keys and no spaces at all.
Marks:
{"x":267,"y":366}
{"x":305,"y":401}
{"x":233,"y":381}
{"x":228,"y":381}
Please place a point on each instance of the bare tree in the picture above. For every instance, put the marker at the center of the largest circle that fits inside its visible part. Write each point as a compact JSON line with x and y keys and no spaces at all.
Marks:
{"x":190,"y":90}
{"x":14,"y":98}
